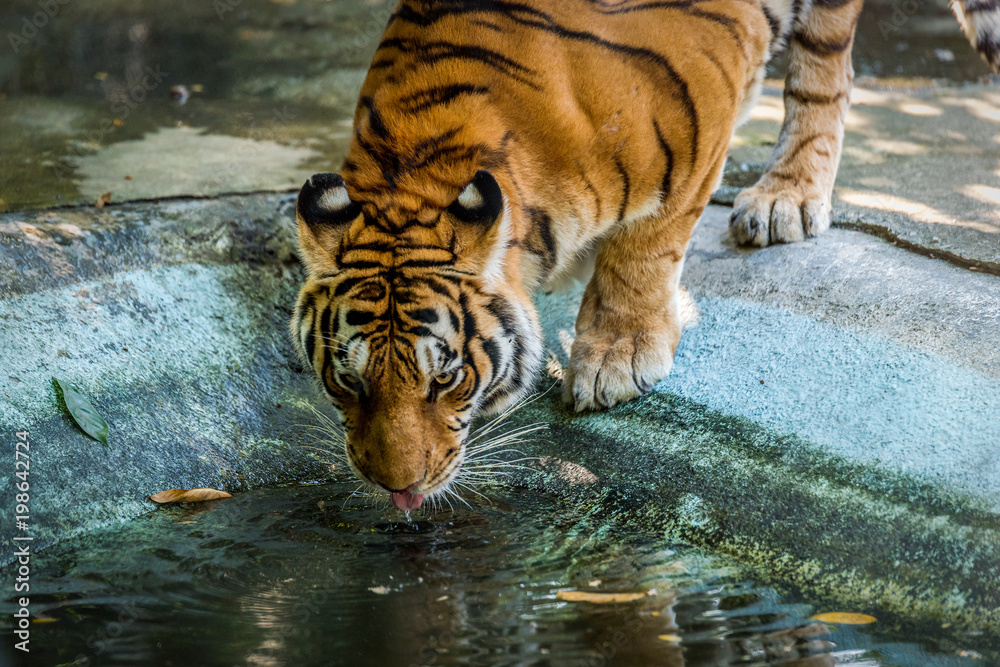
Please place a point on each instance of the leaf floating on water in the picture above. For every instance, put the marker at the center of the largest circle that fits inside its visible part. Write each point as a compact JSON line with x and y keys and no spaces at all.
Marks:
{"x":188,"y":496}
{"x":599,"y":598}
{"x":669,"y":638}
{"x":83,"y":412}
{"x":844,"y":618}
{"x":380,"y":590}
{"x":965,"y":653}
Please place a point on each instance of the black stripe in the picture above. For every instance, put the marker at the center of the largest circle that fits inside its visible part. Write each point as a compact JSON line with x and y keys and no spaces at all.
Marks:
{"x":432,"y":53}
{"x":823,"y":48}
{"x":439,"y":95}
{"x":432,"y":12}
{"x":358,"y":318}
{"x":541,"y":221}
{"x":772,"y":21}
{"x":831,"y":4}
{"x":597,"y":197}
{"x":375,"y":124}
{"x":469,"y":328}
{"x":668,"y":157}
{"x":501,"y":310}
{"x":345,"y":286}
{"x":324,"y":327}
{"x":425,"y":315}
{"x":310,"y":341}
{"x":803,"y":97}
{"x":625,"y":189}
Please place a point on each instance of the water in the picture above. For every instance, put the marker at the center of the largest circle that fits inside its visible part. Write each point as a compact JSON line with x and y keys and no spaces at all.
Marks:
{"x":311,"y":575}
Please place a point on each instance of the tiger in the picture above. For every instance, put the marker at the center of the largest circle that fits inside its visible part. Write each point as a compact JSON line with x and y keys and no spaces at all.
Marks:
{"x":498,"y":144}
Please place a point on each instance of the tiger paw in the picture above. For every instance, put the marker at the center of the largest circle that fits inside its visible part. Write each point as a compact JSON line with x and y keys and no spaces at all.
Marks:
{"x":775,"y":211}
{"x":607,"y":370}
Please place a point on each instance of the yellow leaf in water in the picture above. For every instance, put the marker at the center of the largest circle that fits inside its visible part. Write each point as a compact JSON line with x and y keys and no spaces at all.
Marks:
{"x":669,"y":638}
{"x":44,"y":619}
{"x":599,"y":598}
{"x":188,"y":496}
{"x":844,"y":618}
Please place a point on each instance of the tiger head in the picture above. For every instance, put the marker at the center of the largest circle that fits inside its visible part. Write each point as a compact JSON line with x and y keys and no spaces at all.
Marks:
{"x":413,"y":315}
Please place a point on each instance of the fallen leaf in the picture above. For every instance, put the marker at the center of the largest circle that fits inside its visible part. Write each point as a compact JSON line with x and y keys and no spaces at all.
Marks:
{"x":380,"y":590}
{"x":599,"y":598}
{"x":844,"y":618}
{"x":44,"y":619}
{"x":197,"y":88}
{"x":965,"y":653}
{"x":669,"y":638}
{"x":188,"y":496}
{"x":103,"y":200}
{"x":83,"y":412}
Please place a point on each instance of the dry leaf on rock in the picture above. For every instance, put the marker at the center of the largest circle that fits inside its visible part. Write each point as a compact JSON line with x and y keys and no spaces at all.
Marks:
{"x":103,"y":200}
{"x":188,"y":495}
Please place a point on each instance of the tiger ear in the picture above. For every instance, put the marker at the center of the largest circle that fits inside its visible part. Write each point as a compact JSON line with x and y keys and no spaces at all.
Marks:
{"x":483,"y":230}
{"x":480,"y":203}
{"x":324,"y":210}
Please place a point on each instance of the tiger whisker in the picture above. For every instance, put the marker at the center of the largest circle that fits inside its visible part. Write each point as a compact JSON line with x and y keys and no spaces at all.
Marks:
{"x":471,"y":489}
{"x":496,"y":421}
{"x":522,"y":430}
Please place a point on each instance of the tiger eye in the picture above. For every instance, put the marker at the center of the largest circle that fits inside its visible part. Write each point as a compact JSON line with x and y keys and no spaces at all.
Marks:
{"x":445,"y":378}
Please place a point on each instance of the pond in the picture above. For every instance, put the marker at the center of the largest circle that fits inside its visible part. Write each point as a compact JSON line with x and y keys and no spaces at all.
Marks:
{"x":317,"y":575}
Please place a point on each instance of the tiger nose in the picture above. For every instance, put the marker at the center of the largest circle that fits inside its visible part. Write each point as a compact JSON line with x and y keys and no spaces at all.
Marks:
{"x":397,"y":478}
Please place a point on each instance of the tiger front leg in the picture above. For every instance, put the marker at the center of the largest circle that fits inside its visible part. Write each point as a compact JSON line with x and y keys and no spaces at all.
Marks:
{"x":629,"y":323}
{"x":792,"y":200}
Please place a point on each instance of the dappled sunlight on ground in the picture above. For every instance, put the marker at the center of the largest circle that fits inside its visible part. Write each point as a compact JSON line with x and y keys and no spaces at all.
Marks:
{"x":925,"y":164}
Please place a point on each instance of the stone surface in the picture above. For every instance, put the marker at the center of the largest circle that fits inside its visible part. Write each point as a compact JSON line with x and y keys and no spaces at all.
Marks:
{"x":921,"y":166}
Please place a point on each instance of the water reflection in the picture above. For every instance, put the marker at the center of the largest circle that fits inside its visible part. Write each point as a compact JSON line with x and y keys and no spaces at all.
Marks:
{"x":311,"y":575}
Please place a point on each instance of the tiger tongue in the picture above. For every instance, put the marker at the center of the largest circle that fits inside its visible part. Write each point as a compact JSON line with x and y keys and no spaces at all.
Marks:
{"x":407,"y":501}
